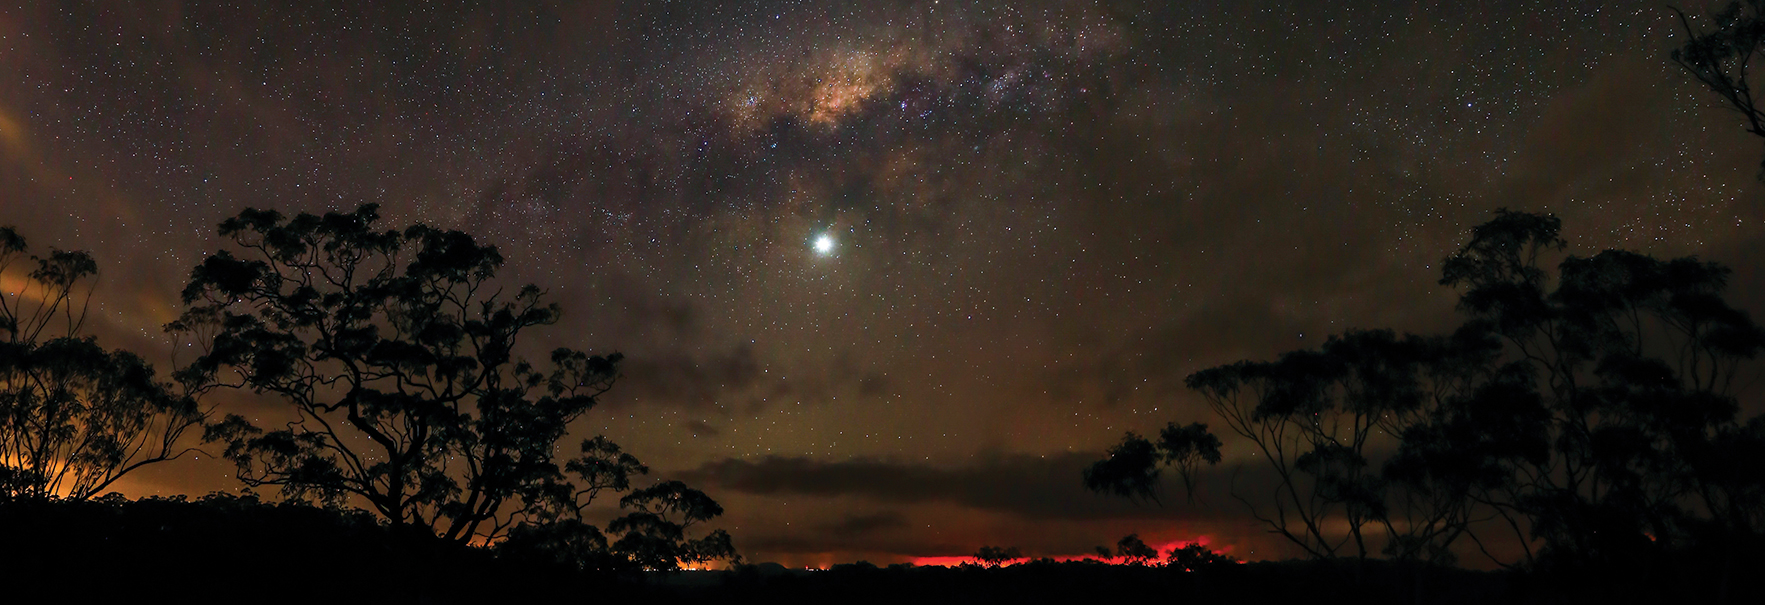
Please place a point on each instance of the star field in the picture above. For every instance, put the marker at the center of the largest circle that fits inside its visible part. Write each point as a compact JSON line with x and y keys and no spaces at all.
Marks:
{"x":1038,"y":216}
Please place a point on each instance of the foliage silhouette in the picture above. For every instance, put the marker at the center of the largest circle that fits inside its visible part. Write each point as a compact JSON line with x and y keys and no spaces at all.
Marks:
{"x":1589,"y":413}
{"x":74,"y":416}
{"x":1195,"y":557}
{"x":395,"y":353}
{"x":1132,"y":468}
{"x":1317,"y":418}
{"x":1721,"y":57}
{"x":1618,"y":389}
{"x":655,"y":533}
{"x":1134,"y":551}
{"x":994,"y":556}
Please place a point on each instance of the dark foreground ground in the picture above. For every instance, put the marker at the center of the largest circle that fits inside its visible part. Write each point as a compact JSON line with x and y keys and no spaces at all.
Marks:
{"x":238,"y":550}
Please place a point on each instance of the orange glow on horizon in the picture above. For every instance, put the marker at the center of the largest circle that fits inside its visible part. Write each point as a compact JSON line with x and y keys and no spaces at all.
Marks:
{"x":1163,"y":548}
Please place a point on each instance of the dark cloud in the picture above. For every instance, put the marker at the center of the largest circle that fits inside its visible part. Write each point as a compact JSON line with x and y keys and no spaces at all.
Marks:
{"x":687,"y":379}
{"x":735,"y":379}
{"x":1049,"y":211}
{"x":1037,"y":487}
{"x":820,"y":544}
{"x":865,"y":524}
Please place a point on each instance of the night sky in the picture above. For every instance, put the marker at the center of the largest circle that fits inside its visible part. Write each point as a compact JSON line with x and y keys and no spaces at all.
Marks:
{"x":1038,"y":216}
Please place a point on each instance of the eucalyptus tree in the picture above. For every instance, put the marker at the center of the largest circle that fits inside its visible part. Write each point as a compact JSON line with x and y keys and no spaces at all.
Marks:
{"x":1721,"y":54}
{"x":74,"y":417}
{"x":1616,"y":426}
{"x":394,"y":357}
{"x":1591,"y":413}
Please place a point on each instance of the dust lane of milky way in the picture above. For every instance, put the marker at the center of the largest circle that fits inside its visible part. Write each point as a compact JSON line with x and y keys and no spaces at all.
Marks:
{"x":946,"y":251}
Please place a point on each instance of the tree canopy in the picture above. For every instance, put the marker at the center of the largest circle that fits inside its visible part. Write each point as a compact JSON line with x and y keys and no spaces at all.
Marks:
{"x":1589,"y":413}
{"x":395,"y":354}
{"x":74,"y":417}
{"x":1721,"y":57}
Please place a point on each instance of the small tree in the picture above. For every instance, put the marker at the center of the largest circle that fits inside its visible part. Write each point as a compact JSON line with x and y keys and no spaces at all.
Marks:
{"x":74,"y":416}
{"x":654,"y":534}
{"x":1134,"y":551}
{"x":1195,"y":557}
{"x":1133,"y":467}
{"x":995,"y":556}
{"x":1130,"y":471}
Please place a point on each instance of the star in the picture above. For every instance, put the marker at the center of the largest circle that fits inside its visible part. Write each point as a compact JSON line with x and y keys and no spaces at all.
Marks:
{"x":824,"y":245}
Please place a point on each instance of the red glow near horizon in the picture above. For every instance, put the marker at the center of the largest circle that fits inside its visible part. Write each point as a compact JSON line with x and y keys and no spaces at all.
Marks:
{"x":1162,"y":548}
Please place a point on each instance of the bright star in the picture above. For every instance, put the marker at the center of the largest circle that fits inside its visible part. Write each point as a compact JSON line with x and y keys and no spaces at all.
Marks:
{"x":824,"y":244}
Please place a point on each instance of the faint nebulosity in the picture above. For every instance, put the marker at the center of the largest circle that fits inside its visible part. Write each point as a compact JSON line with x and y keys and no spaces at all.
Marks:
{"x":886,"y":274}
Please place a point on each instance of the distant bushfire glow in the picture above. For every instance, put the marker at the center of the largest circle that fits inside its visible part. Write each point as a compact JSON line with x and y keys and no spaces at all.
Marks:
{"x":1163,"y":550}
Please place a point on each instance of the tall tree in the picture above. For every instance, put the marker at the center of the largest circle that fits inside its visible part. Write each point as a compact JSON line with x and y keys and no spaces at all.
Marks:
{"x":74,"y":417}
{"x":1615,"y":391}
{"x":1589,"y":412}
{"x":396,"y":354}
{"x":1316,"y":418}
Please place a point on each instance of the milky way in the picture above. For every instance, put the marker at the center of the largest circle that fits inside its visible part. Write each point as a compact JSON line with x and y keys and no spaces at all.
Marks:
{"x":1041,"y":214}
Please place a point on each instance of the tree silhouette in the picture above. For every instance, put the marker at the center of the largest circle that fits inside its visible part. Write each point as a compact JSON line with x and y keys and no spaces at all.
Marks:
{"x":1195,"y":557}
{"x":1133,"y":466}
{"x":74,"y":416}
{"x":1134,"y":551}
{"x":1615,"y":393}
{"x":994,"y":556}
{"x":655,"y":535}
{"x":395,"y":354}
{"x":1590,"y":413}
{"x":1316,"y":418}
{"x":1721,"y":57}
{"x":1130,"y":471}
{"x":569,"y":543}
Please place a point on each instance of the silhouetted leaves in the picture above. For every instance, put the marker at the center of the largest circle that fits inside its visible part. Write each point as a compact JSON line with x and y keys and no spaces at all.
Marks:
{"x":74,"y":416}
{"x":1588,"y":414}
{"x":1131,"y":470}
{"x":1195,"y":557}
{"x":1134,"y":551}
{"x":655,"y":534}
{"x":994,"y":556}
{"x":395,"y":354}
{"x":566,"y":542}
{"x":1721,"y":57}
